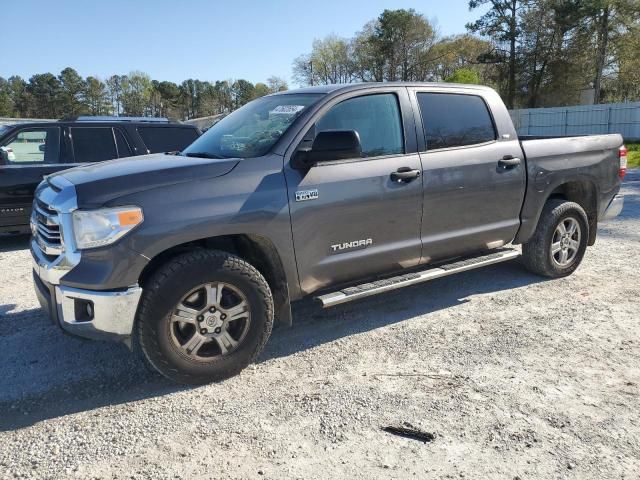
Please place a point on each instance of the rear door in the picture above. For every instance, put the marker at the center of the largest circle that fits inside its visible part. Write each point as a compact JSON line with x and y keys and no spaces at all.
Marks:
{"x":160,"y":139}
{"x":474,"y":175}
{"x":28,"y":155}
{"x":349,"y":218}
{"x":92,"y":144}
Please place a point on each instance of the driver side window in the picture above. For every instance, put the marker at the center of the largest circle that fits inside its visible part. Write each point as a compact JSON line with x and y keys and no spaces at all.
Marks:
{"x":376,"y":118}
{"x":33,"y":146}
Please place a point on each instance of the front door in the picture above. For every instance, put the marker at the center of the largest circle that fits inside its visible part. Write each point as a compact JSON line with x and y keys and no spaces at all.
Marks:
{"x":353,"y":218}
{"x":27,"y":156}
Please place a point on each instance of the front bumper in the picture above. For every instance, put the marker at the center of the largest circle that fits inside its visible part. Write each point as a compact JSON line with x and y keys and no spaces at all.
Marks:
{"x":614,"y":208}
{"x":90,"y":314}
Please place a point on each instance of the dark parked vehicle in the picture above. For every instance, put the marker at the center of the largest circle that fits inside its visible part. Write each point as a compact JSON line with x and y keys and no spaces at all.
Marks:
{"x":29,"y":151}
{"x":340,"y":192}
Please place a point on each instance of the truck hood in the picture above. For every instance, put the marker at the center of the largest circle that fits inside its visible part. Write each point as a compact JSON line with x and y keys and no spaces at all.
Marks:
{"x":99,"y":183}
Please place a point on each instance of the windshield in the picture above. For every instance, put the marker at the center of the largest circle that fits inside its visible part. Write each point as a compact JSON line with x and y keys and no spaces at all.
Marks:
{"x":3,"y":129}
{"x":253,"y":129}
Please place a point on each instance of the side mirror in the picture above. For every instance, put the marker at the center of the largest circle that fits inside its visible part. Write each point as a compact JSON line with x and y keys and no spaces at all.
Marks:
{"x":4,"y":156}
{"x":330,"y":145}
{"x":42,"y":147}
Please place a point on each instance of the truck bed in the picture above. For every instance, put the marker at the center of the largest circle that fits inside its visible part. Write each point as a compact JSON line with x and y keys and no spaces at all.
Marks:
{"x":590,"y":163}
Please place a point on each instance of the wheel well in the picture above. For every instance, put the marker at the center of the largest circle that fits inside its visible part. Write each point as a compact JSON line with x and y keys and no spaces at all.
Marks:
{"x":585,"y":194}
{"x":255,"y":249}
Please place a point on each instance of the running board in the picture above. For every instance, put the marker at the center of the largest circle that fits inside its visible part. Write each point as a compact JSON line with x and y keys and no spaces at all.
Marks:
{"x":379,"y":286}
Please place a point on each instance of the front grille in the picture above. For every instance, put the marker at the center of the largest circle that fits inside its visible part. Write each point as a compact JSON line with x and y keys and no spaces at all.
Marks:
{"x":47,"y":229}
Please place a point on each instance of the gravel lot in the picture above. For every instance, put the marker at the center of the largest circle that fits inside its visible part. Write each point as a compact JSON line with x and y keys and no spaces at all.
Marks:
{"x":516,"y":376}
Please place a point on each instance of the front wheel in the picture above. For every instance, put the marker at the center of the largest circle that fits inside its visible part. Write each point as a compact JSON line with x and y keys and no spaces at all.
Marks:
{"x":204,"y":316}
{"x":558,"y":245}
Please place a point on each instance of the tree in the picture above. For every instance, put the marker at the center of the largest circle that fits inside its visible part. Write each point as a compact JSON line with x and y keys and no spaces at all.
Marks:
{"x":261,"y":89}
{"x":224,"y":96}
{"x":461,"y":52}
{"x":136,"y":94}
{"x":96,"y":97}
{"x":72,"y":87}
{"x":464,"y":75}
{"x":242,"y":92}
{"x":329,"y":62}
{"x":398,"y":45}
{"x":607,"y":21}
{"x":276,"y":84}
{"x":6,"y":100}
{"x":368,"y":60}
{"x":501,"y":23}
{"x":43,"y":94}
{"x":114,"y":90}
{"x":165,"y":99}
{"x":624,"y":84}
{"x":404,"y":39}
{"x":19,"y":96}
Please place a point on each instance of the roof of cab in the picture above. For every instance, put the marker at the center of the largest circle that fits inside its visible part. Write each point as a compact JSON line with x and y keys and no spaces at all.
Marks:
{"x":364,"y":85}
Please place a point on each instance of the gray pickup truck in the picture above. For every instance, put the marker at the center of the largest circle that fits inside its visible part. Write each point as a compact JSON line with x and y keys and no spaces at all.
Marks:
{"x":339,"y":192}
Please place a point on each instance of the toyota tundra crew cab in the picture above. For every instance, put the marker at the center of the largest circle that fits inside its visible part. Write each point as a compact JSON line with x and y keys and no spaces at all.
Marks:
{"x":338,"y":192}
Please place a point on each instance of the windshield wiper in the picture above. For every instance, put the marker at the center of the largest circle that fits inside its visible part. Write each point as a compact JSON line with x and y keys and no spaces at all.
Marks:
{"x":202,"y":155}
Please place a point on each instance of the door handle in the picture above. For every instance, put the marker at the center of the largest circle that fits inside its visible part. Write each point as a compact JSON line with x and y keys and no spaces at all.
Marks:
{"x":509,"y":161}
{"x":404,"y":174}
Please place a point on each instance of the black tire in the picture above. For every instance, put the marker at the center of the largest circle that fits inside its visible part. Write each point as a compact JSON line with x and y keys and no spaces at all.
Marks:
{"x":166,"y":289}
{"x":537,"y":254}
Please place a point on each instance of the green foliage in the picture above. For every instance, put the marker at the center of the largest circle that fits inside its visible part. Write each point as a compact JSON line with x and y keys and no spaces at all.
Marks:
{"x":6,"y":100}
{"x":534,"y":52}
{"x":260,"y":90}
{"x":464,"y":75}
{"x":42,"y":96}
{"x":135,"y":94}
{"x":551,"y":52}
{"x":242,"y":92}
{"x":633,"y":156}
{"x":276,"y":84}
{"x":328,"y":62}
{"x":502,"y":22}
{"x":399,"y":45}
{"x":72,"y":86}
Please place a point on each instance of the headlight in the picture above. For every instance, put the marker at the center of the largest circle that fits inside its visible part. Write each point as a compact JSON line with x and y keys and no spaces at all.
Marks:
{"x":96,"y":228}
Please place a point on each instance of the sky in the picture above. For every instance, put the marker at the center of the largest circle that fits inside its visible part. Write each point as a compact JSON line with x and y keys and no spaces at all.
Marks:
{"x":180,"y":39}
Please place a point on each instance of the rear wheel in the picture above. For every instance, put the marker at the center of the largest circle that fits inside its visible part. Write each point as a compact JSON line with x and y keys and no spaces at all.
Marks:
{"x":560,"y":240}
{"x":204,"y":316}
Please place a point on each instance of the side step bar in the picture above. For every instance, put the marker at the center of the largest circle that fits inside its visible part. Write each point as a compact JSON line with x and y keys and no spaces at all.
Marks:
{"x":367,"y":289}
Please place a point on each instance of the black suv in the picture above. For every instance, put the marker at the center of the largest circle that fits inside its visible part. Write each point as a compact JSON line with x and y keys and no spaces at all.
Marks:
{"x":29,"y":151}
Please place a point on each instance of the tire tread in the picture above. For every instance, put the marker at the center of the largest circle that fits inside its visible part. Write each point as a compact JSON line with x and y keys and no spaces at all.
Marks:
{"x":148,"y":340}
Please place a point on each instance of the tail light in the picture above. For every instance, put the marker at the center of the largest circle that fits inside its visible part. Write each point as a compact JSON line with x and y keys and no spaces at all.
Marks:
{"x":622,"y":154}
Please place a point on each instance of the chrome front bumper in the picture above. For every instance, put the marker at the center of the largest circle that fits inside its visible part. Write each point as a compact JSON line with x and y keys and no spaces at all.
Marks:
{"x":614,"y":208}
{"x":112,"y":313}
{"x":98,"y":315}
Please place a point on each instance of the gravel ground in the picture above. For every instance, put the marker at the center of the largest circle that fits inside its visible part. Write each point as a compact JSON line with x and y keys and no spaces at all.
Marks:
{"x":516,"y":377}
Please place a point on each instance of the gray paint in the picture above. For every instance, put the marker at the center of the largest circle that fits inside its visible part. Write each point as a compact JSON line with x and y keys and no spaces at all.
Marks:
{"x":463,"y":201}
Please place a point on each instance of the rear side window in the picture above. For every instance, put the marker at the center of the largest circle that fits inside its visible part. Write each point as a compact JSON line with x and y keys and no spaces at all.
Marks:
{"x":93,"y":144}
{"x":453,"y":120}
{"x":376,"y":118}
{"x":167,"y":139}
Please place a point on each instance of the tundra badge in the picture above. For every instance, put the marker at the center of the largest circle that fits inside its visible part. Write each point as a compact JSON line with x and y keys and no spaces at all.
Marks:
{"x":354,"y":245}
{"x":304,"y":195}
